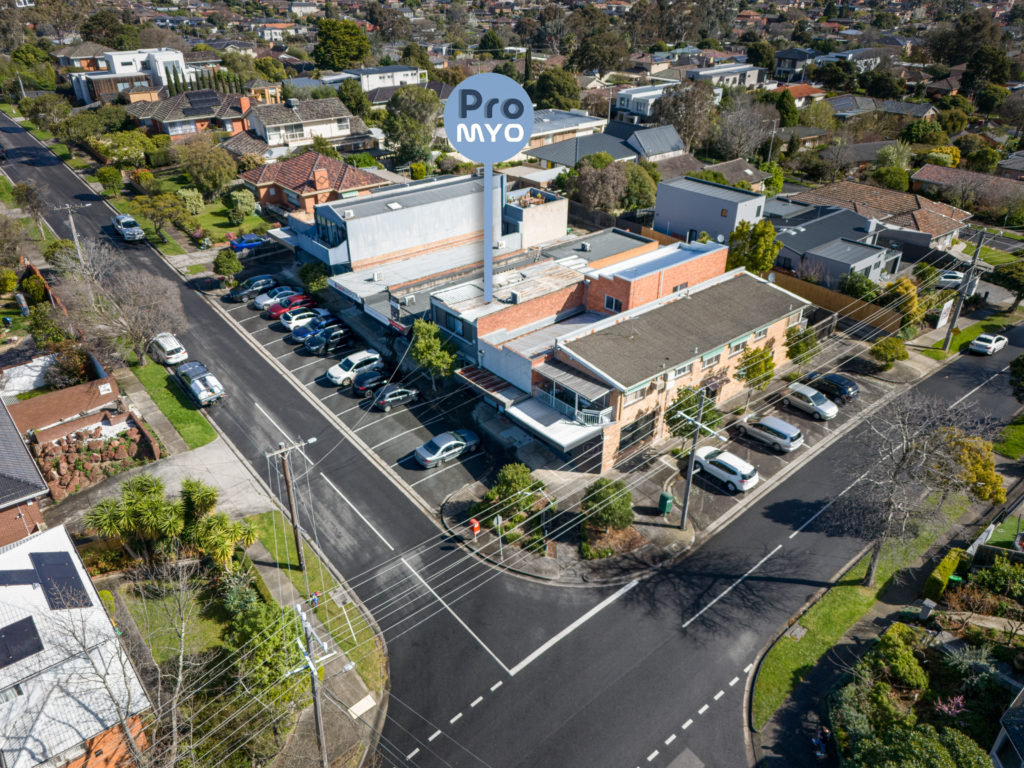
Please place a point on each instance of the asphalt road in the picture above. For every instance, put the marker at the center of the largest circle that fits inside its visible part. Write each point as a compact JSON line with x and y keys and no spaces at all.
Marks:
{"x":490,"y":670}
{"x":1008,"y":244}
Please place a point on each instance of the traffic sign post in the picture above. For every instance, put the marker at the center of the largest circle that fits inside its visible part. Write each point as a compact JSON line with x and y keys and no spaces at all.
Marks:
{"x":497,"y":526}
{"x":488,"y":119}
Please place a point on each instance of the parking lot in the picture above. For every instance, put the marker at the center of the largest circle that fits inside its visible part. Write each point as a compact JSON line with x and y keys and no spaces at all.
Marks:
{"x":392,"y":436}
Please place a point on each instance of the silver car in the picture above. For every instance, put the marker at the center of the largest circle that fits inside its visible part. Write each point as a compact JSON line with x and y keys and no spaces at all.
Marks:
{"x":770,"y":430}
{"x":447,"y":446}
{"x":127,"y":227}
{"x":275,"y":295}
{"x":810,"y":401}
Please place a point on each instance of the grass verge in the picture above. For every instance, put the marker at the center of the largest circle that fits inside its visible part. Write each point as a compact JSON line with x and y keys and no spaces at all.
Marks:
{"x":1004,"y":535}
{"x":169,"y":247}
{"x":995,"y":324}
{"x":7,"y":192}
{"x":345,"y":622}
{"x":1011,"y":439}
{"x":9,"y":110}
{"x":193,"y":427}
{"x":154,"y":616}
{"x":840,"y":608}
{"x":196,"y":269}
{"x":995,"y":257}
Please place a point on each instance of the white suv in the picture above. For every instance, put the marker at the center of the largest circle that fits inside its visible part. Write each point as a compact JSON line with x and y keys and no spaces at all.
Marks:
{"x":345,"y":372}
{"x":728,"y":468}
{"x":167,"y":350}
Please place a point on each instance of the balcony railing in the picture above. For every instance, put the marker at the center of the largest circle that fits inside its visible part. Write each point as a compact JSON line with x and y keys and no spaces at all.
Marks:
{"x":590,"y":417}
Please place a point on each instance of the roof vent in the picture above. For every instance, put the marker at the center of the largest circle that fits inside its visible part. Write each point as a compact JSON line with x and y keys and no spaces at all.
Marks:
{"x":514,"y":297}
{"x":394,"y":206}
{"x":348,"y":214}
{"x":409,"y":300}
{"x":291,"y":103}
{"x":378,"y":276}
{"x":585,"y":246}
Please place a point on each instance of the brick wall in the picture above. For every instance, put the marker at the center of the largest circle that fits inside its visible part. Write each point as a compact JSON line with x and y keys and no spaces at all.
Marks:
{"x":515,"y":316}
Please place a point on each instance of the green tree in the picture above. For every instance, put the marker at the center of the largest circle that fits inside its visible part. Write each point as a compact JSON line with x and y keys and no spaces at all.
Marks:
{"x":608,"y":503}
{"x":430,"y":351}
{"x":272,"y":637}
{"x":514,"y":492}
{"x":556,"y":89}
{"x":1011,"y":277}
{"x":227,"y":263}
{"x":270,"y":68}
{"x":901,"y":296}
{"x":952,"y":120}
{"x":108,"y":28}
{"x":314,"y":276}
{"x":243,"y":201}
{"x":491,"y":44}
{"x":409,"y":123}
{"x":46,"y":110}
{"x":601,"y":51}
{"x":888,"y":350}
{"x":761,"y":54}
{"x":897,"y":155}
{"x":1017,"y":377}
{"x":641,"y":191}
{"x":323,"y":147}
{"x":818,"y":114}
{"x":924,"y":132}
{"x":193,"y":200}
{"x":983,"y":160}
{"x":353,"y":97}
{"x":990,"y":97}
{"x":967,"y":464}
{"x":340,"y":44}
{"x":801,"y":344}
{"x":773,"y":185}
{"x":882,"y":84}
{"x":756,"y":367}
{"x":891,"y":177}
{"x":124,"y":148}
{"x":162,"y":209}
{"x":8,"y":282}
{"x":753,"y":247}
{"x":786,"y":104}
{"x":679,"y":416}
{"x":34,"y":289}
{"x":211,"y":168}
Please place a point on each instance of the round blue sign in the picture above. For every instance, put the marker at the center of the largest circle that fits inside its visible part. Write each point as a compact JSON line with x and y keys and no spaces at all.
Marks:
{"x":488,"y":118}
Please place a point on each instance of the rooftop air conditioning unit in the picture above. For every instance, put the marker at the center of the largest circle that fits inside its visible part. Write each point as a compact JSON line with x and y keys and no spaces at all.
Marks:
{"x":408,"y":300}
{"x":291,"y":103}
{"x":348,"y":214}
{"x":378,"y":276}
{"x":500,"y":244}
{"x":514,"y":297}
{"x":585,"y":246}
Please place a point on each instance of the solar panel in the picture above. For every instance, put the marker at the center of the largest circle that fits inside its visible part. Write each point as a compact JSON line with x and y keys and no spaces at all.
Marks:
{"x":60,"y":581}
{"x":19,"y":641}
{"x":195,"y":111}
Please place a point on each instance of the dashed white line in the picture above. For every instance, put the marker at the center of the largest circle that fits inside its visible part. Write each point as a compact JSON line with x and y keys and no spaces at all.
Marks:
{"x":497,"y":685}
{"x":733,"y":681}
{"x":456,"y":718}
{"x":703,"y":709}
{"x":986,"y":381}
{"x":687,"y":724}
{"x":747,"y":668}
{"x":732,"y":586}
{"x":476,"y":701}
{"x":670,"y":739}
{"x":413,"y":754}
{"x":653,"y":755}
{"x":719,"y":695}
{"x":280,"y":429}
{"x":821,"y":511}
{"x":434,"y":735}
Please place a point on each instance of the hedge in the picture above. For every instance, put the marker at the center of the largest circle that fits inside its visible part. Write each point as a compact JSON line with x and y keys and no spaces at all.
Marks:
{"x":939,"y":578}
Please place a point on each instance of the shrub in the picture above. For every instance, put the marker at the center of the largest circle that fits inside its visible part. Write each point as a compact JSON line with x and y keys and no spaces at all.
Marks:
{"x":925,"y":274}
{"x":8,"y":280}
{"x":1002,"y":577}
{"x":108,"y":601}
{"x":34,"y":289}
{"x":894,"y":656}
{"x":418,"y":171}
{"x":242,"y":200}
{"x":314,"y":276}
{"x":193,"y":199}
{"x":235,"y":216}
{"x":158,"y":158}
{"x":938,"y":579}
{"x":226,"y":263}
{"x":110,"y":177}
{"x":889,"y":350}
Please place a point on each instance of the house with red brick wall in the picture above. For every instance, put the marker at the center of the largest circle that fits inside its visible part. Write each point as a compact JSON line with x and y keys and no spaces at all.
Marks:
{"x":53,"y":408}
{"x":85,"y":56}
{"x":192,"y":112}
{"x":21,"y":483}
{"x":303,"y":182}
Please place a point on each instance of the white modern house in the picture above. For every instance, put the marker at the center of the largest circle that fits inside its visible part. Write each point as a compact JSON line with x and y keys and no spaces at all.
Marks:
{"x":733,"y":75}
{"x":125,"y":69}
{"x":639,"y":102}
{"x":391,"y":75}
{"x":687,"y":206}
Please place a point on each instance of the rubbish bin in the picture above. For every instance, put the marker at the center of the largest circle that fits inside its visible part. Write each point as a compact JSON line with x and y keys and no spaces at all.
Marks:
{"x":665,"y":503}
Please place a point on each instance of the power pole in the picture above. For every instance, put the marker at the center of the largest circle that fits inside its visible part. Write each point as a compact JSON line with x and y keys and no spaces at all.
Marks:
{"x":314,"y":682}
{"x":965,"y":285}
{"x":283,"y":450}
{"x":698,"y":424}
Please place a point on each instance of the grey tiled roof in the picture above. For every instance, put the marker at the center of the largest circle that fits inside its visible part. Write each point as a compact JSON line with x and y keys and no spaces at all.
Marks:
{"x":19,"y":476}
{"x":656,"y":141}
{"x":306,"y":111}
{"x":245,"y":143}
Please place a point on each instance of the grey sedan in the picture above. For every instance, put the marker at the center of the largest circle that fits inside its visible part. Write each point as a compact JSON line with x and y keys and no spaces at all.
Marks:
{"x":447,"y":446}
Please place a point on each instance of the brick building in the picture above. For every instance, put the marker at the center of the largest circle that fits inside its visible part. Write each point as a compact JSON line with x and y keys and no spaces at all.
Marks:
{"x":301,"y":183}
{"x":190,"y":113}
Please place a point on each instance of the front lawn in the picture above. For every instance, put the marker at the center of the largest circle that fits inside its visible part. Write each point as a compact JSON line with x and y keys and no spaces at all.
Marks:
{"x":19,"y":323}
{"x":214,"y":219}
{"x":193,"y":427}
{"x":9,"y":110}
{"x":995,"y":257}
{"x":154,"y":615}
{"x":1011,"y":440}
{"x":169,"y":247}
{"x":7,"y":192}
{"x":1004,"y":535}
{"x":42,"y":235}
{"x":995,"y":324}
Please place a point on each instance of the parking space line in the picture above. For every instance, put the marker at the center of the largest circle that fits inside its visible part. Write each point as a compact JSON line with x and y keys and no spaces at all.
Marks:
{"x":400,"y":434}
{"x":293,"y":370}
{"x":432,"y":475}
{"x":413,"y":754}
{"x":455,"y":615}
{"x":356,"y":510}
{"x":235,"y":309}
{"x":286,"y":354}
{"x":250,"y":317}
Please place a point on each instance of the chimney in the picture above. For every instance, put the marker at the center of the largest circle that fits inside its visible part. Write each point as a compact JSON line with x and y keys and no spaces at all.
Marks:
{"x":244,"y":103}
{"x":320,"y":179}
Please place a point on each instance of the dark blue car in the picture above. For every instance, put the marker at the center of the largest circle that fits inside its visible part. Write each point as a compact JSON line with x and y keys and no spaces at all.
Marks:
{"x":303,"y":332}
{"x":249,"y":242}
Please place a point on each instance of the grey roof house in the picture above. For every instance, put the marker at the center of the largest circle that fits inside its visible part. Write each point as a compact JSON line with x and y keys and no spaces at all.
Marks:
{"x":21,"y":484}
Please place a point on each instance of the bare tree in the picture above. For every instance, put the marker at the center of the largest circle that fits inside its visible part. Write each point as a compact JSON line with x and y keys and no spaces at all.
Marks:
{"x":12,"y":238}
{"x":690,"y":108}
{"x":1012,"y":110}
{"x":745,"y":125}
{"x":27,"y":197}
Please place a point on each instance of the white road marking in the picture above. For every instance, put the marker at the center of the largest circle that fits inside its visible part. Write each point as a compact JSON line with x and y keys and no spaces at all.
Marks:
{"x":703,"y":709}
{"x":453,"y":465}
{"x":286,"y":354}
{"x":476,"y":701}
{"x":456,"y":718}
{"x":651,"y":756}
{"x":434,"y":735}
{"x":719,"y":695}
{"x":250,"y":317}
{"x":687,"y":724}
{"x":747,"y":668}
{"x":670,"y":739}
{"x":733,"y":681}
{"x":356,"y":510}
{"x":240,"y":306}
{"x":396,"y":436}
{"x":413,"y":754}
{"x":572,"y":627}
{"x":279,"y":429}
{"x":986,"y":381}
{"x":455,"y":615}
{"x":293,"y":370}
{"x":821,"y":511}
{"x":497,"y":685}
{"x":732,"y":586}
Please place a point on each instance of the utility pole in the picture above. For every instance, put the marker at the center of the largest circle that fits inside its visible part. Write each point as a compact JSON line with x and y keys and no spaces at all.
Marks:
{"x":965,"y":285}
{"x":71,"y":223}
{"x":314,"y":682}
{"x":283,"y":450}
{"x":698,"y":423}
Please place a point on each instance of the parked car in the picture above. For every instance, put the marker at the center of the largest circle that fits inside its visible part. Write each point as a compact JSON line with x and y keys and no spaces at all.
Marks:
{"x":392,"y":395}
{"x":329,"y":340}
{"x":167,"y":350}
{"x":326,"y":322}
{"x":251,"y":287}
{"x":810,"y":401}
{"x":251,"y":241}
{"x":988,"y":344}
{"x":780,"y":435}
{"x":949,"y":279}
{"x":274,"y":295}
{"x":839,"y":389}
{"x":446,"y":447}
{"x":727,"y":468}
{"x":201,"y":385}
{"x":127,"y":227}
{"x":298,"y":301}
{"x":367,"y":382}
{"x":296,"y":318}
{"x":345,"y":372}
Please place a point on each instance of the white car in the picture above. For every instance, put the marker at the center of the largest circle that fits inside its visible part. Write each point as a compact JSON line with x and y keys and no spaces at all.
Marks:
{"x":728,"y":468}
{"x":127,"y":227}
{"x":988,"y":344}
{"x":810,"y":401}
{"x":296,"y":318}
{"x":950,"y":279}
{"x":275,"y":295}
{"x":344,"y":372}
{"x":167,"y":350}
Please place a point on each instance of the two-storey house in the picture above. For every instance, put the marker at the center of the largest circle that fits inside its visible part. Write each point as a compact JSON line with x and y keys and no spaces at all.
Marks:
{"x":276,"y":130}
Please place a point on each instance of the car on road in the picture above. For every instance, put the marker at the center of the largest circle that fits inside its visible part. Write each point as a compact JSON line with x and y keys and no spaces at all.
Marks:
{"x":810,"y":401}
{"x":324,"y":323}
{"x":251,"y":287}
{"x":127,"y":227}
{"x":447,"y":446}
{"x":296,"y":301}
{"x":344,"y":373}
{"x":329,"y":340}
{"x":392,"y":395}
{"x":201,"y":385}
{"x":367,"y":382}
{"x":771,"y":430}
{"x":949,"y":279}
{"x":988,"y":344}
{"x":728,"y":468}
{"x":837,"y":388}
{"x":248,"y":242}
{"x":167,"y":350}
{"x":296,"y":318}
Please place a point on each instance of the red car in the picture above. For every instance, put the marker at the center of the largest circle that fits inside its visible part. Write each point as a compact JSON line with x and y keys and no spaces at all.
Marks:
{"x":274,"y":311}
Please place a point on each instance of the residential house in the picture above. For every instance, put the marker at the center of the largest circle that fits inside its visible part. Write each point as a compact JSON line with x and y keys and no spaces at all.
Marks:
{"x":192,"y":112}
{"x":860,"y":156}
{"x":70,"y":692}
{"x":790,"y":63}
{"x":864,"y":59}
{"x":551,"y":126}
{"x":233,"y":46}
{"x":21,"y":484}
{"x":965,"y":187}
{"x":386,"y":76}
{"x":804,"y":94}
{"x":379,"y":97}
{"x":637,"y":104}
{"x":1008,"y":749}
{"x":304,"y":181}
{"x":303,"y":9}
{"x":806,"y":136}
{"x":276,"y":130}
{"x":731,"y":75}
{"x":739,"y":170}
{"x":623,"y":141}
{"x":263,"y":92}
{"x":849,"y":105}
{"x":86,"y":56}
{"x":688,"y":206}
{"x":128,"y":69}
{"x":1012,"y":167}
{"x":201,"y":61}
{"x":911,"y":222}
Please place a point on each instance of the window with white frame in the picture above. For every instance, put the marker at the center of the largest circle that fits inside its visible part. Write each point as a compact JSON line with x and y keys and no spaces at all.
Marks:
{"x":683,"y":370}
{"x":635,"y":396}
{"x":793,"y":319}
{"x":612,"y":304}
{"x":762,"y":334}
{"x":293,"y":131}
{"x":736,"y":347}
{"x":711,"y":360}
{"x":177,"y":129}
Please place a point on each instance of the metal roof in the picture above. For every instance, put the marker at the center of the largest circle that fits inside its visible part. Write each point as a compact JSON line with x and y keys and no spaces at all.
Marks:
{"x":571,"y":151}
{"x":711,"y":189}
{"x":571,"y":378}
{"x":20,"y":478}
{"x":846,"y":251}
{"x":595,"y":246}
{"x":410,"y":196}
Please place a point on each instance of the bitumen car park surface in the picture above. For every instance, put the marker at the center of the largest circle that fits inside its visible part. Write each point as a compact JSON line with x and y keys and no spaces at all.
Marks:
{"x":393,"y":436}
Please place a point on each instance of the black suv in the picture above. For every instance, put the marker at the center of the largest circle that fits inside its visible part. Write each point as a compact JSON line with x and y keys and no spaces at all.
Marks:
{"x":251,"y":288}
{"x":329,"y":340}
{"x":836,"y":388}
{"x":395,"y":394}
{"x":367,"y":382}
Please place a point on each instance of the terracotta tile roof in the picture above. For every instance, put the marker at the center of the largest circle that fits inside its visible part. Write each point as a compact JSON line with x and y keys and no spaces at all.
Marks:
{"x":897,"y":208}
{"x":298,"y":174}
{"x":943,"y":177}
{"x":54,"y":407}
{"x":803,"y":90}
